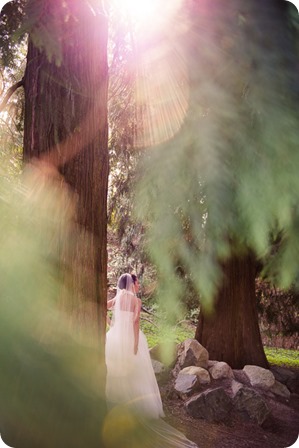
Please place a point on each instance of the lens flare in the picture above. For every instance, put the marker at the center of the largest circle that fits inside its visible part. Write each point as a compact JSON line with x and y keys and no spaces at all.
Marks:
{"x":138,"y":10}
{"x":156,"y":31}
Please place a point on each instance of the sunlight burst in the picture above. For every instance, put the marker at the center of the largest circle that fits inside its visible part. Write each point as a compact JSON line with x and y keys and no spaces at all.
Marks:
{"x":157,"y":28}
{"x":139,"y":11}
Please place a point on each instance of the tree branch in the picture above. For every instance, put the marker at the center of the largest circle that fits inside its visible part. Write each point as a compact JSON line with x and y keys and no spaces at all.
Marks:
{"x":148,"y":320}
{"x":10,"y":92}
{"x":147,"y":311}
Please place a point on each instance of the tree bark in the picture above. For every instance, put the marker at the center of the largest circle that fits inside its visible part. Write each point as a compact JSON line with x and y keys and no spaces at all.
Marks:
{"x":66,"y":125}
{"x":66,"y":128}
{"x":232,"y":333}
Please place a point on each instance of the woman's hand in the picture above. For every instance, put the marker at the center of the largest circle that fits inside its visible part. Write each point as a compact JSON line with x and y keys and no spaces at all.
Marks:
{"x":135,"y":348}
{"x":136,"y":324}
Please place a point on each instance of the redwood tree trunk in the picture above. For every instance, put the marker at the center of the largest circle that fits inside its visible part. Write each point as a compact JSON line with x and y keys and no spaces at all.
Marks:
{"x":66,"y":127}
{"x":66,"y":120}
{"x":232,"y":333}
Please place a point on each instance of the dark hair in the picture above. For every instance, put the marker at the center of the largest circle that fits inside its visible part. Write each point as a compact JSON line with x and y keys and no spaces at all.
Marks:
{"x":123,"y":280}
{"x":134,"y":278}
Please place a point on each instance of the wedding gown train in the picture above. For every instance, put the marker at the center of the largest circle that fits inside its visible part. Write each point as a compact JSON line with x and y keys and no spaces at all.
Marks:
{"x":131,"y":382}
{"x":130,"y":378}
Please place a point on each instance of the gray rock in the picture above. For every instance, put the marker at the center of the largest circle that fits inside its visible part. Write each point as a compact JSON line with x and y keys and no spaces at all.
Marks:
{"x":211,"y":405}
{"x":158,"y":367}
{"x":259,"y":377}
{"x":211,"y":363}
{"x":281,"y":390}
{"x":240,"y":375}
{"x":202,"y":374}
{"x":287,"y":377}
{"x":192,"y":353}
{"x":186,"y":385}
{"x":221,"y":370}
{"x":282,"y":374}
{"x":249,"y":404}
{"x":293,"y":384}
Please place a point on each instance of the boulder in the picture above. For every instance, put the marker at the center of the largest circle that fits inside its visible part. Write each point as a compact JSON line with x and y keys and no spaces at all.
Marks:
{"x":202,"y":374}
{"x":211,"y":363}
{"x":293,"y":384}
{"x":241,"y":377}
{"x":221,"y":370}
{"x":158,"y":367}
{"x":280,"y":389}
{"x":249,"y":404}
{"x":287,"y":377}
{"x":186,"y":384}
{"x":282,"y":374}
{"x":259,"y":377}
{"x":192,"y":353}
{"x":211,"y":405}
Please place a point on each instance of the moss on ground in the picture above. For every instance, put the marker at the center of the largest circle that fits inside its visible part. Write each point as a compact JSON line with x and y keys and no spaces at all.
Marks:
{"x":156,"y":331}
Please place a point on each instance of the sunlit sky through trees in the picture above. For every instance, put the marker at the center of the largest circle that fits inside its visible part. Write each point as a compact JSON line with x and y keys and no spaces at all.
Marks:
{"x":161,"y":89}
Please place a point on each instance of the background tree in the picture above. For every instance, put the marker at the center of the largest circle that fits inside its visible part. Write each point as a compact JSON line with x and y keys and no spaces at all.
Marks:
{"x":232,"y":167}
{"x":12,"y":65}
{"x":126,"y":252}
{"x":65,"y":129}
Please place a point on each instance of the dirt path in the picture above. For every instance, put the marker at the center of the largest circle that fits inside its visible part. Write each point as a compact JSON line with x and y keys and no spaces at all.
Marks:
{"x":279,"y":431}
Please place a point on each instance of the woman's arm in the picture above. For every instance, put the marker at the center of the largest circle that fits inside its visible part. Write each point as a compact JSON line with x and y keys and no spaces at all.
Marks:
{"x":110,"y":304}
{"x":136,"y":325}
{"x":108,"y":321}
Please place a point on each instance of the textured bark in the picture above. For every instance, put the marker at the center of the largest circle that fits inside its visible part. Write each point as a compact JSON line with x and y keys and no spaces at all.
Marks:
{"x":66,"y":128}
{"x":232,"y":333}
{"x":66,"y":124}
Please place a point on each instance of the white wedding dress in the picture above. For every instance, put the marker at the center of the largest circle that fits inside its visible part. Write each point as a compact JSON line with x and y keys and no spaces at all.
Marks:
{"x":130,"y":378}
{"x":131,"y":383}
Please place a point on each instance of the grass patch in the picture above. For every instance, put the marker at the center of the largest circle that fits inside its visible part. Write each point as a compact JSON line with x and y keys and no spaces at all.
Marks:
{"x":156,"y":331}
{"x":282,"y":357}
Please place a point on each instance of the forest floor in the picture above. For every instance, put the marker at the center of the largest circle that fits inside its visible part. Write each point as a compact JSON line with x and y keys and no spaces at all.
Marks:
{"x":278,"y":431}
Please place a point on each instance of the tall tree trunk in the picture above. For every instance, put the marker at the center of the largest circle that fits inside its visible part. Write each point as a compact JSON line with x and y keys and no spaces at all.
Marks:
{"x":232,"y":333}
{"x":66,"y":120}
{"x":66,"y":126}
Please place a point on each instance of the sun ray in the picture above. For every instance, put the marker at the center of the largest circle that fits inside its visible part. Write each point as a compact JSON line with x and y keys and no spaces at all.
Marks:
{"x":162,"y":86}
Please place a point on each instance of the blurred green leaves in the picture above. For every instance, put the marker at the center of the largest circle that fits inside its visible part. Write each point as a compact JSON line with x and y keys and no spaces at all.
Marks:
{"x":52,"y":375}
{"x":228,"y":182}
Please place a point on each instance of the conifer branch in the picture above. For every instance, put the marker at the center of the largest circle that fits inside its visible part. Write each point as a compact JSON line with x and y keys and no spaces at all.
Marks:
{"x":10,"y":92}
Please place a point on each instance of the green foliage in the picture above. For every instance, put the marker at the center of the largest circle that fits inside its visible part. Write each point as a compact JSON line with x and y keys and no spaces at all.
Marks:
{"x":44,"y":22}
{"x":12,"y":66}
{"x":282,"y":357}
{"x":11,"y":119}
{"x":125,"y":230}
{"x":228,"y":181}
{"x":51,"y":378}
{"x":11,"y":19}
{"x":158,"y":331}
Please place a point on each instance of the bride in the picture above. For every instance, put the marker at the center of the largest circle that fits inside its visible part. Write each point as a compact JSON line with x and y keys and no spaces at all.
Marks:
{"x":130,"y":376}
{"x":131,"y":380}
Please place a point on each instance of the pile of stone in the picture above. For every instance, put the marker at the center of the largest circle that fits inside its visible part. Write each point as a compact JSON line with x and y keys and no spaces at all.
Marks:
{"x":213,"y":391}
